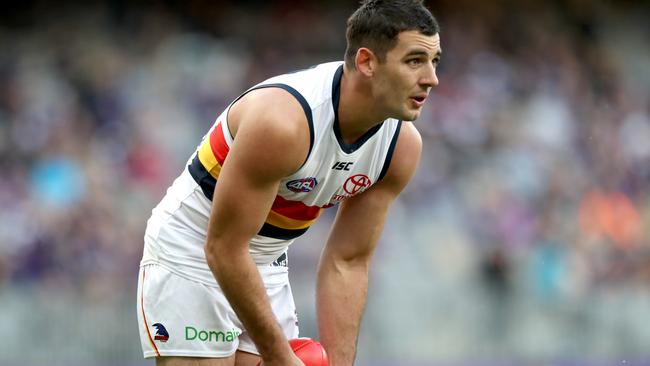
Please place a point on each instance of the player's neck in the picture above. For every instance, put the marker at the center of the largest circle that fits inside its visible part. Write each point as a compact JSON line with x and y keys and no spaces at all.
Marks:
{"x":357,"y":111}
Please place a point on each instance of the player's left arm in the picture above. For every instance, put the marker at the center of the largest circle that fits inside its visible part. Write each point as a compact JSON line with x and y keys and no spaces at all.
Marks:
{"x":342,"y":282}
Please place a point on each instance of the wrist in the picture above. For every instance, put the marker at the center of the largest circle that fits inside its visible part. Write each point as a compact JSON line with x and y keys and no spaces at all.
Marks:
{"x":278,"y":357}
{"x":275,"y":351}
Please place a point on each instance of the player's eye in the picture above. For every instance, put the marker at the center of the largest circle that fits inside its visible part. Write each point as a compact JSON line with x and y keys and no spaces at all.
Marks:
{"x":414,"y":62}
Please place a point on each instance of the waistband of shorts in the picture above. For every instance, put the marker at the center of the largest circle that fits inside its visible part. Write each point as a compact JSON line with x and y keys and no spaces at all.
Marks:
{"x":271,"y":275}
{"x":204,"y":275}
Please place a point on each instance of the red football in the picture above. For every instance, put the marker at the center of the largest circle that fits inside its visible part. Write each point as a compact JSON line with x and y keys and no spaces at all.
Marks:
{"x":309,"y":351}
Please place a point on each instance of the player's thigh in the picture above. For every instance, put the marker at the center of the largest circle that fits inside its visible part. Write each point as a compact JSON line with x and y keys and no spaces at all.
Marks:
{"x":246,"y":359}
{"x":178,"y":317}
{"x":195,"y":361}
{"x":278,"y":291}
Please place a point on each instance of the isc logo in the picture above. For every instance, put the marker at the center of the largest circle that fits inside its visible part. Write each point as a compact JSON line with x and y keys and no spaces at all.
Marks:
{"x":342,"y":165}
{"x":302,"y":185}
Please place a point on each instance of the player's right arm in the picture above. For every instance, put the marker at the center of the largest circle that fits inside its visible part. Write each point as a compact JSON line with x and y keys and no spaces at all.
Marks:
{"x":271,"y":142}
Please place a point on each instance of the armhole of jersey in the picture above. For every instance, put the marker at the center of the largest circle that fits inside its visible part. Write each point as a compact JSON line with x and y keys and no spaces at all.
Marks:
{"x":391,"y":149}
{"x":303,"y":103}
{"x":227,"y":135}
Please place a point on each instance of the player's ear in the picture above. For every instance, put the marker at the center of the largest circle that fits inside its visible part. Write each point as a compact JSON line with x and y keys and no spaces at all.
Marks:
{"x":366,"y":61}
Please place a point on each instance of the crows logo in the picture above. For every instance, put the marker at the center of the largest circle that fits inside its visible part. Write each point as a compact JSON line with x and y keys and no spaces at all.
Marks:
{"x":161,"y":333}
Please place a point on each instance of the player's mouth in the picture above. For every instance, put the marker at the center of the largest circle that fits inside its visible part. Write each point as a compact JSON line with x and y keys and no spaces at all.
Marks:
{"x":419,"y":100}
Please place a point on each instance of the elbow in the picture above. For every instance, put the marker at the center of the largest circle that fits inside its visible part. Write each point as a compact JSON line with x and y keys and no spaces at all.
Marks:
{"x":211,"y":256}
{"x":353,"y":263}
{"x":223,"y":256}
{"x":359,"y":261}
{"x":360,"y":265}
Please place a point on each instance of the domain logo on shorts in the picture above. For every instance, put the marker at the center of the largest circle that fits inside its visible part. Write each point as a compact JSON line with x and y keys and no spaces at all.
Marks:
{"x":211,"y":335}
{"x":161,"y":333}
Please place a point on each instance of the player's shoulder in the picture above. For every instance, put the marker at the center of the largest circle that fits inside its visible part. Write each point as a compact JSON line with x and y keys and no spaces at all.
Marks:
{"x":409,"y":138}
{"x":406,"y":156}
{"x":407,"y":149}
{"x":312,"y":85}
{"x":269,"y":108}
{"x":270,"y":123}
{"x":286,"y":100}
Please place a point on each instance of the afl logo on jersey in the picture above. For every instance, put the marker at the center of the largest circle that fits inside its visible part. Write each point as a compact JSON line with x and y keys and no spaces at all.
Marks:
{"x":302,"y":185}
{"x":356,"y":184}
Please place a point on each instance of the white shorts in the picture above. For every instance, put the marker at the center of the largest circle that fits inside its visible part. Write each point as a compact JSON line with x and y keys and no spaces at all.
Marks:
{"x":181,"y":317}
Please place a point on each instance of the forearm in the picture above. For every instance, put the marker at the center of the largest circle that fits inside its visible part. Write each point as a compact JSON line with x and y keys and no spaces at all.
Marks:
{"x":341,"y":292}
{"x":240,"y":281}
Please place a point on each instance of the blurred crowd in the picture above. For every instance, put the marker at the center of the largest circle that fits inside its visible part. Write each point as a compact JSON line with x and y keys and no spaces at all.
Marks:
{"x":540,"y":134}
{"x":536,"y":143}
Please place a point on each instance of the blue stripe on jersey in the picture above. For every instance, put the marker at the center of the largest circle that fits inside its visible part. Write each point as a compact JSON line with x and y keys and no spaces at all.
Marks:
{"x":275,"y":232}
{"x":336,"y":96}
{"x":391,"y":149}
{"x":202,"y":177}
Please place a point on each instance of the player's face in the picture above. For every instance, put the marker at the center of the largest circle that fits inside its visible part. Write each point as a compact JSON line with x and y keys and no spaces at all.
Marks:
{"x":407,"y":74}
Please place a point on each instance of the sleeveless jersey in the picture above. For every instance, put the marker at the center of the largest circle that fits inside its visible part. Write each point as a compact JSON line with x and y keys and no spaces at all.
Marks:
{"x":332,"y":172}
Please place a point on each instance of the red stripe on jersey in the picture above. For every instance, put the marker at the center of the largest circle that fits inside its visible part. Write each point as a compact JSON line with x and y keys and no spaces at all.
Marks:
{"x":218,"y":144}
{"x":295,"y":209}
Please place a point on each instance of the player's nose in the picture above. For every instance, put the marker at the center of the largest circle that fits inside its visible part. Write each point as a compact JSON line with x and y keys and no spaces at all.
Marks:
{"x":429,"y":78}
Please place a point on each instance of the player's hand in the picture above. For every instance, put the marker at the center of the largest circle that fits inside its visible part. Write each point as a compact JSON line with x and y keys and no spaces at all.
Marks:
{"x":292,"y":361}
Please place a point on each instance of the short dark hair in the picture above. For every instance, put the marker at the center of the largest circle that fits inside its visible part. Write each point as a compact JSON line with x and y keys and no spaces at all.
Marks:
{"x":377,"y":23}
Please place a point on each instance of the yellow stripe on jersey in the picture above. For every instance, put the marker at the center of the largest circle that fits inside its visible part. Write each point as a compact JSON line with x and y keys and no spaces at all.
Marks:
{"x":207,"y":158}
